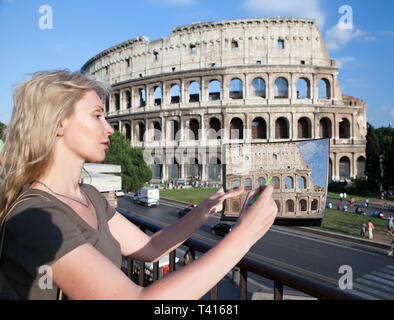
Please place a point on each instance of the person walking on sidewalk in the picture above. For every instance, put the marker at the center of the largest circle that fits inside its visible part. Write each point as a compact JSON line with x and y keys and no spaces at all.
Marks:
{"x":363,"y":226}
{"x":390,"y":225}
{"x":370,"y":230}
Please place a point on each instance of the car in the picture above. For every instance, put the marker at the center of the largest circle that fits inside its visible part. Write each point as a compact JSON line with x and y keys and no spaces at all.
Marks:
{"x":119,"y":193}
{"x":221,"y":229}
{"x":183,"y":212}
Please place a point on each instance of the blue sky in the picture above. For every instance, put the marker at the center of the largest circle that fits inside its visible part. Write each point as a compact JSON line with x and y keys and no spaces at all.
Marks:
{"x":82,"y":29}
{"x":316,"y":156}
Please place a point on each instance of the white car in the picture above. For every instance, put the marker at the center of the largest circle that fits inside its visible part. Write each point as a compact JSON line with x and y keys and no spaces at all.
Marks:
{"x":119,"y":193}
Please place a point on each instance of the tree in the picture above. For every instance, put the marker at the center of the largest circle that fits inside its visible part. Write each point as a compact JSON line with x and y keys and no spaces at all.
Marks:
{"x":388,"y":163}
{"x":372,"y":164}
{"x":2,"y":128}
{"x":135,"y":172}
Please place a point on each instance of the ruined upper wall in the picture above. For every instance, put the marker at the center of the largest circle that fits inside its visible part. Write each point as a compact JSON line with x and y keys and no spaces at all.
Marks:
{"x":204,"y":45}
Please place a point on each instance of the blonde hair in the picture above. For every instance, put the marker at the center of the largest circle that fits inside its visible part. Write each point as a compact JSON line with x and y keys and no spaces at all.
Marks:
{"x":40,"y":103}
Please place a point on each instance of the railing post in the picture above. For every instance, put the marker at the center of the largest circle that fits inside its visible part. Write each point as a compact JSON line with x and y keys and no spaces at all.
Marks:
{"x":172,"y":261}
{"x":278,"y":290}
{"x":243,"y":284}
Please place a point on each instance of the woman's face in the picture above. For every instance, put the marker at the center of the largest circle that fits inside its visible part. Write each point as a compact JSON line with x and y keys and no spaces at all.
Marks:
{"x":86,"y":132}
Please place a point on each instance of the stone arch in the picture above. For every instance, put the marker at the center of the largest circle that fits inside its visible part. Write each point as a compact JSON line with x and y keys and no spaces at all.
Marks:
{"x":289,"y":184}
{"x":236,"y":128}
{"x":214,"y":128}
{"x":361,"y":167}
{"x":303,"y":205}
{"x":281,"y":128}
{"x":303,"y":88}
{"x":258,"y":88}
{"x":236,"y":89}
{"x":194,"y":91}
{"x":175,"y":93}
{"x":281,"y":88}
{"x":304,"y":128}
{"x":344,"y":168}
{"x":301,"y":183}
{"x":259,"y":128}
{"x":194,"y":126}
{"x":344,"y":128}
{"x":214,"y":90}
{"x":325,"y":128}
{"x":324,"y":89}
{"x":289,"y":206}
{"x":158,"y":95}
{"x":314,"y":205}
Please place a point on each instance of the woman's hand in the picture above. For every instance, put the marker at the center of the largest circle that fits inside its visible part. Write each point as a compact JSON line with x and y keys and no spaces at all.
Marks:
{"x":214,"y":203}
{"x":255,"y":220}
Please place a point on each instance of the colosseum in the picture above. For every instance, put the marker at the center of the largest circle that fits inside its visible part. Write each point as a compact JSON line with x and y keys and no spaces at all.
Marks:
{"x":237,"y":81}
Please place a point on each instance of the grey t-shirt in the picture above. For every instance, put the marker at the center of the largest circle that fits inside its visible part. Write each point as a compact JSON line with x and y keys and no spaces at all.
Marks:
{"x":41,"y":230}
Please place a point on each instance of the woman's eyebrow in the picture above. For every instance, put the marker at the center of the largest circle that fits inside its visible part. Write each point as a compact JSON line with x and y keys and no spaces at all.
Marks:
{"x":100,"y":107}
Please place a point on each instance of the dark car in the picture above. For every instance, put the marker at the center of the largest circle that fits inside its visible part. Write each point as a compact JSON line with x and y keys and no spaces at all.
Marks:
{"x":183,"y":212}
{"x":221,"y":229}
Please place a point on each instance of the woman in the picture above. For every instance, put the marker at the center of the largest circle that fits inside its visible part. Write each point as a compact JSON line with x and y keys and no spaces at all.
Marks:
{"x":69,"y":231}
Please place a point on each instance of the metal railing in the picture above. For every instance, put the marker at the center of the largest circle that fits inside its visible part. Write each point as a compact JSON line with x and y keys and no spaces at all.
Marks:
{"x":280,"y":276}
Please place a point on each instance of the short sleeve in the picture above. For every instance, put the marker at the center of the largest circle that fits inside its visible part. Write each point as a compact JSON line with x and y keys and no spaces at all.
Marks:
{"x":39,"y":236}
{"x":108,"y":209}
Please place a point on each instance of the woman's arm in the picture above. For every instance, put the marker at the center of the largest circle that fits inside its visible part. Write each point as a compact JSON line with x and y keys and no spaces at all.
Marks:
{"x":142,"y":247}
{"x":84,"y":273}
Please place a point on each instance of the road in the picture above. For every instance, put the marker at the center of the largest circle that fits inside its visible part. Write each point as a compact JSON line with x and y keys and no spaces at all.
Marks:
{"x":294,"y":249}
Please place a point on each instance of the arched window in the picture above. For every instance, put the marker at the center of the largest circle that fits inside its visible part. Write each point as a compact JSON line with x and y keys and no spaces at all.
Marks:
{"x":117,"y":101}
{"x":259,"y":128}
{"x":324,"y":89}
{"x":315,"y":204}
{"x":276,"y":182}
{"x":344,"y":167}
{"x":236,"y":128}
{"x":174,"y":169}
{"x":303,"y":205}
{"x":281,"y":88}
{"x":141,"y":131}
{"x":214,"y":169}
{"x":289,"y":183}
{"x":261,"y":181}
{"x":157,"y":131}
{"x":304,"y":128}
{"x":289,"y":206}
{"x":194,"y":126}
{"x":301,"y":183}
{"x":158,"y":96}
{"x":281,"y":128}
{"x":236,"y":184}
{"x":344,"y":128}
{"x":360,"y":167}
{"x":194,"y":91}
{"x":236,"y":89}
{"x":248,"y":184}
{"x":128,"y":99}
{"x":142,"y":97}
{"x":214,"y":129}
{"x":303,"y":88}
{"x":258,"y":88}
{"x":175,"y":93}
{"x":214,"y":90}
{"x":325,"y":128}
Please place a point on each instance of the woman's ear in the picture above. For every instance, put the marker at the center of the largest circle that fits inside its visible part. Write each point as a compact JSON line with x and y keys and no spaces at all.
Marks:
{"x":62,"y":126}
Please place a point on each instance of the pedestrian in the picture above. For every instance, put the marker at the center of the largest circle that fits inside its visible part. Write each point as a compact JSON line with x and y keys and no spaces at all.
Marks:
{"x":371,"y":227}
{"x":341,"y":196}
{"x":363,"y":226}
{"x":339,"y":207}
{"x":391,"y":249}
{"x":366,"y":203}
{"x":390,"y":225}
{"x":351,"y":202}
{"x":56,"y":224}
{"x":344,"y":195}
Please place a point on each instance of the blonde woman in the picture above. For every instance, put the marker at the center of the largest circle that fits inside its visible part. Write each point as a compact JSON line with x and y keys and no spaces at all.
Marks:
{"x":68,"y":230}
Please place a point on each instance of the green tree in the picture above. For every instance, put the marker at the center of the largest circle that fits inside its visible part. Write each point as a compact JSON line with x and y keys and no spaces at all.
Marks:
{"x":2,"y":128}
{"x":372,"y":165}
{"x":388,"y":163}
{"x":135,"y":172}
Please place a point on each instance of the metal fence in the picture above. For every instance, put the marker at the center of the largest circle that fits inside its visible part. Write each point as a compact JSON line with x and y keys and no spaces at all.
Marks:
{"x":280,"y":276}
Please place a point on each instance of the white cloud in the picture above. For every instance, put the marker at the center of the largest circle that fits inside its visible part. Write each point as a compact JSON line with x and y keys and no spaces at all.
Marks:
{"x":287,"y":8}
{"x":337,"y":37}
{"x":342,"y":61}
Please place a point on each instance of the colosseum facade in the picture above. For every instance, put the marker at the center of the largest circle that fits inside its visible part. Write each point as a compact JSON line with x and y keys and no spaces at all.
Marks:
{"x":209,"y":83}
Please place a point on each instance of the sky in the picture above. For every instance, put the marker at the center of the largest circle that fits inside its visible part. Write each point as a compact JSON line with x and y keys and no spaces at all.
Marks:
{"x":57,"y":34}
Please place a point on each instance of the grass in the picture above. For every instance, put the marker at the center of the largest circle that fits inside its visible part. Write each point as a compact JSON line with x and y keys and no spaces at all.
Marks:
{"x":186,"y":195}
{"x":356,"y":198}
{"x":347,"y":223}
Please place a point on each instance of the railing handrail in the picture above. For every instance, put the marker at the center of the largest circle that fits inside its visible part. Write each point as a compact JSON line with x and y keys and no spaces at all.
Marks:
{"x":279,"y":275}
